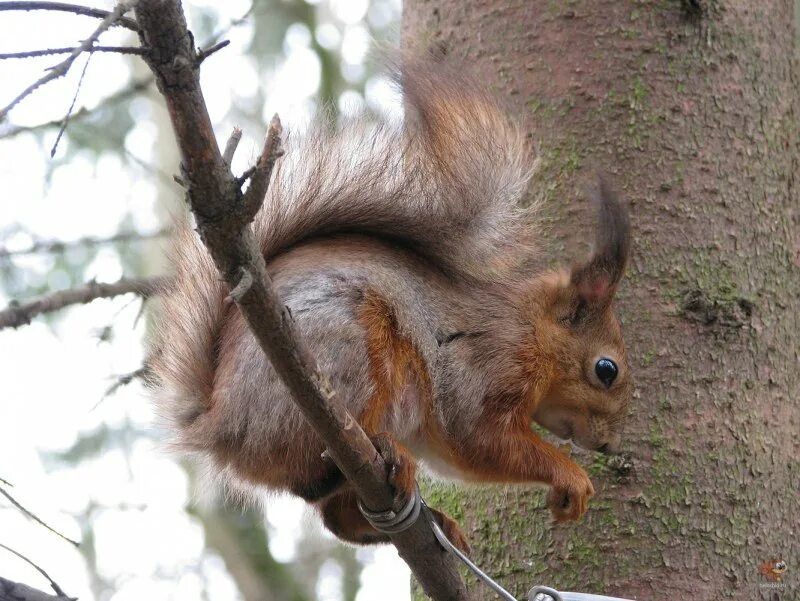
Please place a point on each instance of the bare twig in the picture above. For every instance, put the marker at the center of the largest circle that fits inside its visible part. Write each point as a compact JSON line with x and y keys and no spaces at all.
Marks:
{"x":64,"y":123}
{"x":231,"y":145}
{"x":68,"y":8}
{"x":122,"y":95}
{"x":57,"y":246}
{"x":18,"y":314}
{"x":259,"y":180}
{"x":58,"y":590}
{"x":35,"y":517}
{"x":248,"y":173}
{"x":123,"y":380}
{"x":67,"y":50}
{"x":219,"y":207}
{"x":63,"y":67}
{"x":16,"y":591}
{"x":223,"y":31}
{"x":126,"y":379}
{"x":204,"y":53}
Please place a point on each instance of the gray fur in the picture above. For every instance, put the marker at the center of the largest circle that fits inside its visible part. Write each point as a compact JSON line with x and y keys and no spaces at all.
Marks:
{"x":431,"y":207}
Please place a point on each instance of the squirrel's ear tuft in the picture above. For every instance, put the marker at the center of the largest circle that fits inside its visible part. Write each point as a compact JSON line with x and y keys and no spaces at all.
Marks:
{"x":596,"y":280}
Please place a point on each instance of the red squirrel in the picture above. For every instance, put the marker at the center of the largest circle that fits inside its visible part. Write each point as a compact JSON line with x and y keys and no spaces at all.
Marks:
{"x":405,"y":260}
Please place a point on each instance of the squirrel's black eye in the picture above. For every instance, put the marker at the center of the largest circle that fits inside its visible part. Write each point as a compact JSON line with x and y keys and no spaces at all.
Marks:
{"x":606,"y":371}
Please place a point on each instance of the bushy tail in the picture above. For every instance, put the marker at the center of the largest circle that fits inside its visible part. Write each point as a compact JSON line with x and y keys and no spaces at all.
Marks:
{"x":446,"y":182}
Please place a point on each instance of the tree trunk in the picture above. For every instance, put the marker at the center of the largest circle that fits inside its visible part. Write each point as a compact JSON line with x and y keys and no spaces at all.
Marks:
{"x":691,"y":108}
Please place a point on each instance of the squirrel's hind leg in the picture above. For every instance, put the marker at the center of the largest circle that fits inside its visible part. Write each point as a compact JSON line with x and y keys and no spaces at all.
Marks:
{"x":341,"y":515}
{"x":327,"y":480}
{"x":324,"y":478}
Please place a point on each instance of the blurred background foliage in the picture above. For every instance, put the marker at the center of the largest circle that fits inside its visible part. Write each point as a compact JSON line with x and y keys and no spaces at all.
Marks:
{"x":324,"y":45}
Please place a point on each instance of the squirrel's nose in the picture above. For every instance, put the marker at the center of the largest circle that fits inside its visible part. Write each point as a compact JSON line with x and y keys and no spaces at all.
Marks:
{"x":606,"y":448}
{"x":610,"y":446}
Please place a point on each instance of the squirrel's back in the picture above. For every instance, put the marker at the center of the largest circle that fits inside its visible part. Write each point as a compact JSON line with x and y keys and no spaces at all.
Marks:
{"x":445,"y":185}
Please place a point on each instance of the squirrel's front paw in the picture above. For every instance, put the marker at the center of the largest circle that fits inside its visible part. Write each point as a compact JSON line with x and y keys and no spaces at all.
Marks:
{"x":569,"y":496}
{"x":402,"y":468}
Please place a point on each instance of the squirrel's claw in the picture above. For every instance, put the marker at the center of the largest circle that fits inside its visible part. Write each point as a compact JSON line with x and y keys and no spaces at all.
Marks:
{"x":569,"y":500}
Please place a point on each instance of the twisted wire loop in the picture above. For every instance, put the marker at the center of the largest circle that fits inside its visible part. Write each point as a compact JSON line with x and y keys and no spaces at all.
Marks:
{"x":543,"y":593}
{"x":390,"y":521}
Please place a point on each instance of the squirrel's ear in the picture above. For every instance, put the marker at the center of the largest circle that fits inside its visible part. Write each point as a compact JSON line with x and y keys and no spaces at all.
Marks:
{"x":596,"y":280}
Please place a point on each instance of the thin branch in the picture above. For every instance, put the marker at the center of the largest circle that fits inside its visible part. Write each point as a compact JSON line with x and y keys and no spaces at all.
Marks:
{"x":69,"y":8}
{"x":58,"y":246}
{"x":18,"y":314}
{"x":232,"y":23}
{"x":58,"y":590}
{"x":48,"y":51}
{"x":35,"y":517}
{"x":204,"y":53}
{"x":231,"y":145}
{"x":138,"y":374}
{"x":64,"y":123}
{"x":259,"y":180}
{"x":219,"y":208}
{"x":142,"y":373}
{"x":122,"y":95}
{"x":63,"y":67}
{"x":16,"y":591}
{"x":248,"y":173}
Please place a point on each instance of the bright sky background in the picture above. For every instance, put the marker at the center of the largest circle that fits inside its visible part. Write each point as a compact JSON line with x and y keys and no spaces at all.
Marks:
{"x":52,"y":377}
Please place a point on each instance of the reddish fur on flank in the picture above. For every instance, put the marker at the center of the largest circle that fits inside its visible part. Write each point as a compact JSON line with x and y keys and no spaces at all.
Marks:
{"x":407,"y":263}
{"x":395,"y":365}
{"x":391,"y":360}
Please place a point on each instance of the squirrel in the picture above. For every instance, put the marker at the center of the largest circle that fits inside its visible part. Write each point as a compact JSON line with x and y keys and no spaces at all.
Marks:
{"x":405,"y":259}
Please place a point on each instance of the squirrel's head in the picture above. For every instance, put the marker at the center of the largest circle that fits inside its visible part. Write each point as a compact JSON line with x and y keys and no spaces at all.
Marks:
{"x":589,"y":386}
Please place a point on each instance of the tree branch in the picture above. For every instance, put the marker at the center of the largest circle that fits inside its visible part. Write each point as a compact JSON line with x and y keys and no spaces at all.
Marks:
{"x":18,"y":314}
{"x":63,"y":67}
{"x":57,"y":246}
{"x":35,"y":517}
{"x":68,"y":8}
{"x":124,"y":94}
{"x":220,"y":211}
{"x":54,"y":585}
{"x":123,"y":380}
{"x":211,"y":44}
{"x":259,"y":180}
{"x":15,"y":591}
{"x":231,"y":145}
{"x":49,"y":51}
{"x":204,"y":53}
{"x":65,"y":121}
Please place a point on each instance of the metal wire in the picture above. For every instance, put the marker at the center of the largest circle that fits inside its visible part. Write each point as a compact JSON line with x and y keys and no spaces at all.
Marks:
{"x":392,"y":522}
{"x":445,"y":542}
{"x":545,"y":593}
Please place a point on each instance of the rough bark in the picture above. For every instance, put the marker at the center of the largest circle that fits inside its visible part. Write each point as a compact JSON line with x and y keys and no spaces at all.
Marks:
{"x":692,"y":107}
